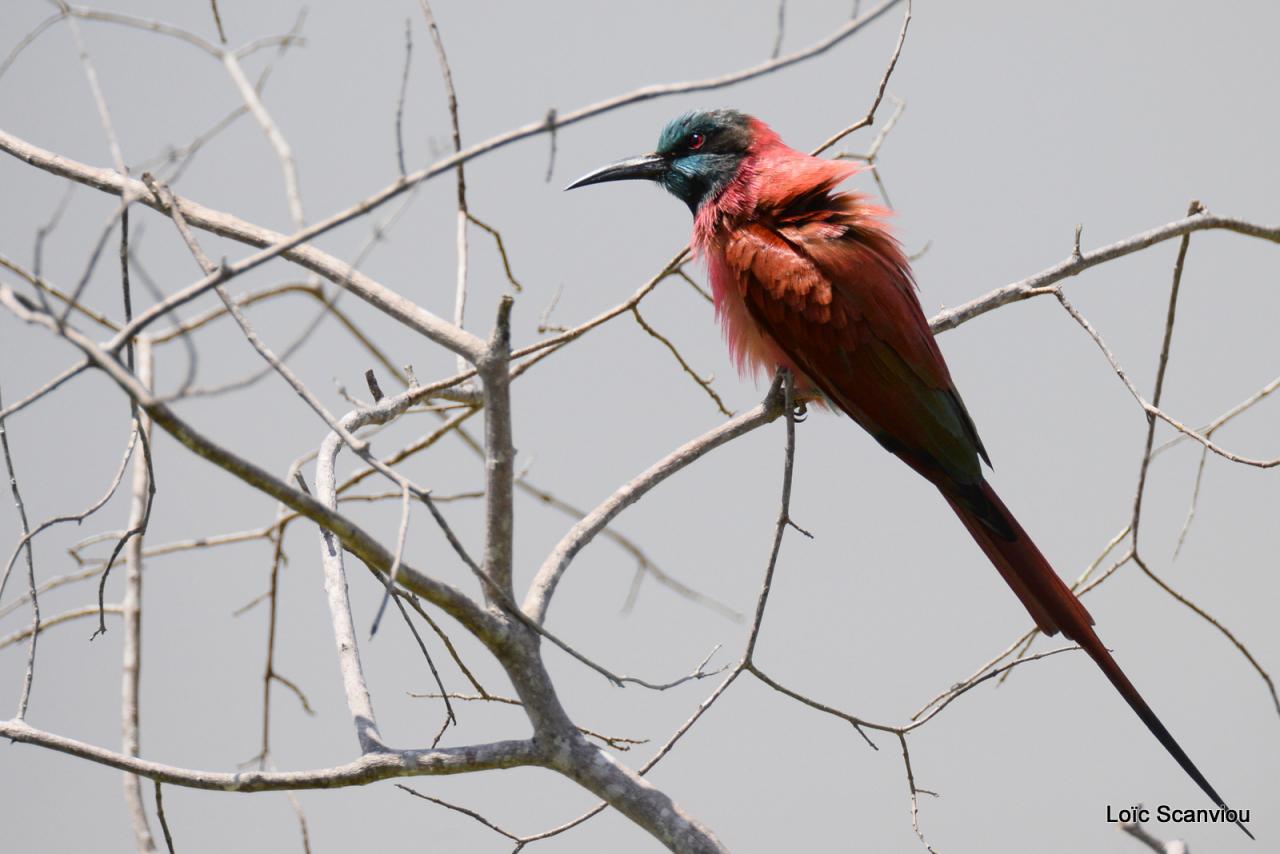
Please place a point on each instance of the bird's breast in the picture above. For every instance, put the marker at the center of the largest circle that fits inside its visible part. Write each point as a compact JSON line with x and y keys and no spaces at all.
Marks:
{"x":752,"y":349}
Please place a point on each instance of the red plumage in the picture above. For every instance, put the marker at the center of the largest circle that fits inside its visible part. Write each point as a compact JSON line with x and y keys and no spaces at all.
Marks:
{"x":812,"y":280}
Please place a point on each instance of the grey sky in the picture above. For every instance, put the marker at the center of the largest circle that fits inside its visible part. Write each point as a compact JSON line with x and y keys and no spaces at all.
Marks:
{"x":1022,"y":120}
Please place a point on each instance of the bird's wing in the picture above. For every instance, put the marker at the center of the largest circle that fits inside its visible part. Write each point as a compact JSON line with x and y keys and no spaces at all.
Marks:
{"x":835,"y":294}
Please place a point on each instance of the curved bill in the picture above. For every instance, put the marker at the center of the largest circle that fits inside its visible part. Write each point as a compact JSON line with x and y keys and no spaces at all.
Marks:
{"x":649,"y":167}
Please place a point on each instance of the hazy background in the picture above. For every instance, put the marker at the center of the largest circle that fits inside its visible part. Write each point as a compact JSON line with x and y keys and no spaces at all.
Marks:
{"x":1022,"y":120}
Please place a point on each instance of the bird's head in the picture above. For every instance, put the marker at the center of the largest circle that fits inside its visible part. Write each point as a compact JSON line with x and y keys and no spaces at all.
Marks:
{"x":698,"y":155}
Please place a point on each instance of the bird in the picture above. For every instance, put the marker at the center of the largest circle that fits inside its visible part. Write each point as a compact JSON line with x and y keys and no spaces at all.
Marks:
{"x":812,"y":280}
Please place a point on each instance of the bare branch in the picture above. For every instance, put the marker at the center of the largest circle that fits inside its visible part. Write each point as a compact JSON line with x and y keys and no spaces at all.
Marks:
{"x":787,"y":381}
{"x":164,"y":822}
{"x":222,"y":37}
{"x":354,"y":538}
{"x":462,"y":217}
{"x":381,"y":765}
{"x":915,"y":794}
{"x":404,"y":89}
{"x":1149,"y":408}
{"x":401,"y":537}
{"x":175,"y":211}
{"x":1208,"y":618}
{"x":538,"y":599}
{"x":445,"y":334}
{"x":704,"y":384}
{"x":26,"y":40}
{"x":288,"y":246}
{"x":1172,"y":314}
{"x":24,"y":696}
{"x":463,"y":810}
{"x":58,"y":619}
{"x":1140,"y":833}
{"x":47,"y":388}
{"x":359,"y":703}
{"x":450,"y":717}
{"x":279,"y":144}
{"x":1039,"y":284}
{"x":511,"y":637}
{"x":67,"y":300}
{"x":502,"y":250}
{"x":104,"y":115}
{"x":499,"y":453}
{"x":870,"y":117}
{"x":131,"y":610}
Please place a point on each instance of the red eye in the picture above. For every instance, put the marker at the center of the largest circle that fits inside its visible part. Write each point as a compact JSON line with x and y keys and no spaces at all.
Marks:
{"x":695,"y":141}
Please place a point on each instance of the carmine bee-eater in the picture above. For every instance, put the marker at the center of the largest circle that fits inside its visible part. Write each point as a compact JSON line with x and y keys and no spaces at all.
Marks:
{"x":811,"y":280}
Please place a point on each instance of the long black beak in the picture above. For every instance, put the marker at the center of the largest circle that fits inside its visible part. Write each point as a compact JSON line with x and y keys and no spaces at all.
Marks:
{"x":649,"y":167}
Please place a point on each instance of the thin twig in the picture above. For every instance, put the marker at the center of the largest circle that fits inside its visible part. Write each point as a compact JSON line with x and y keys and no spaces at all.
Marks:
{"x":222,"y":36}
{"x":538,"y":599}
{"x":302,"y":821}
{"x":26,"y":40}
{"x":502,"y":250}
{"x":57,"y":619}
{"x":404,"y":90}
{"x":358,"y":541}
{"x":782,"y":24}
{"x":444,"y":638}
{"x":1149,"y":408}
{"x":291,"y":245}
{"x":460,"y":287}
{"x":395,"y":563}
{"x":1194,"y":208}
{"x":49,"y":387}
{"x":28,"y":677}
{"x":175,"y":212}
{"x":131,"y":607}
{"x":1208,"y":618}
{"x":787,"y":382}
{"x":915,"y":793}
{"x":870,"y":117}
{"x":704,"y":384}
{"x":164,"y":822}
{"x":451,"y":718}
{"x":367,"y":769}
{"x":616,"y":742}
{"x":284,"y":152}
{"x":1075,"y":264}
{"x":463,"y":810}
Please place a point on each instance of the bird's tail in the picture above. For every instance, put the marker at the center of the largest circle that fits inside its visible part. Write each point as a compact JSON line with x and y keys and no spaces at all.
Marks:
{"x":1056,"y":609}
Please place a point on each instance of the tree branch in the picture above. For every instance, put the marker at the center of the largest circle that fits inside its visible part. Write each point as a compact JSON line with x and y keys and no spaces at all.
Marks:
{"x":367,"y":769}
{"x":1077,"y":263}
{"x":538,"y":598}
